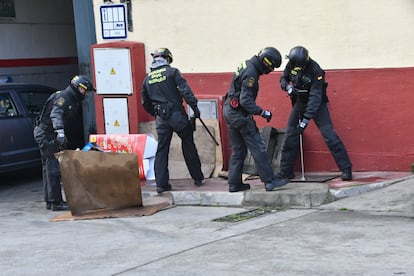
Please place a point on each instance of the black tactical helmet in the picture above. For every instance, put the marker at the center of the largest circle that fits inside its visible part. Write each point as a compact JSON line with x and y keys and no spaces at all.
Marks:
{"x":164,"y":53}
{"x":270,"y":59}
{"x":298,"y":56}
{"x":82,"y":81}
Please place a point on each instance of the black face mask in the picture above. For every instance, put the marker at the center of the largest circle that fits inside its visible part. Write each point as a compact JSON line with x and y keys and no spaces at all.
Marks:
{"x":79,"y":95}
{"x":267,"y":69}
{"x":298,"y":67}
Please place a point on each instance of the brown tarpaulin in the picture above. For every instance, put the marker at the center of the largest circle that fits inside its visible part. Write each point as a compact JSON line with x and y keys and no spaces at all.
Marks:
{"x":95,"y":180}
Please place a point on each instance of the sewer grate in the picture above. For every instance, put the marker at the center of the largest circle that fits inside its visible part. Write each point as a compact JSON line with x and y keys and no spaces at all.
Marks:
{"x":257,"y":212}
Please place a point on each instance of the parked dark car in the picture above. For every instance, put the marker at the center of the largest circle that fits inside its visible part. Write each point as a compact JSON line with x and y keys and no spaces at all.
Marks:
{"x":20,"y":104}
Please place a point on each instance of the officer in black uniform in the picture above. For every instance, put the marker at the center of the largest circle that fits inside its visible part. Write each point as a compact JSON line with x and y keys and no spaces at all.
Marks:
{"x":163,"y":91}
{"x":238,"y":110}
{"x":304,"y":81}
{"x":49,"y":134}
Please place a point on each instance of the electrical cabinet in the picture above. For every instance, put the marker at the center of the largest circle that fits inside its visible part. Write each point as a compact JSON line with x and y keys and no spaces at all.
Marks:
{"x":118,"y":71}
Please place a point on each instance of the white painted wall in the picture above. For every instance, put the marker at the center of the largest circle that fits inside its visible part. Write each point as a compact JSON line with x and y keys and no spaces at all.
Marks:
{"x":42,"y":29}
{"x":215,"y":35}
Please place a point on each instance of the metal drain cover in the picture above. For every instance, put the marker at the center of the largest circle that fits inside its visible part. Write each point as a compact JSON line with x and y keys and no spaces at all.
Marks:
{"x":257,"y":212}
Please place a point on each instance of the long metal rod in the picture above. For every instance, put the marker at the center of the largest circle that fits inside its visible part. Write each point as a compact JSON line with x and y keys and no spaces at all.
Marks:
{"x":208,"y":131}
{"x":301,"y":158}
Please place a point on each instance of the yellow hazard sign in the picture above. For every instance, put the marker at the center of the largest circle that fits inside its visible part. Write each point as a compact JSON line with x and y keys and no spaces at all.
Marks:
{"x":113,"y":71}
{"x":116,"y":123}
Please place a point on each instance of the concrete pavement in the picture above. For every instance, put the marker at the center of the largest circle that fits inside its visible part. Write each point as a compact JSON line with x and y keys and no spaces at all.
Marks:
{"x":366,"y":234}
{"x":295,"y":194}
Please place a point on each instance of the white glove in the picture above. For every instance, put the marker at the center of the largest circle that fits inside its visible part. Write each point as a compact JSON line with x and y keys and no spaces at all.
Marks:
{"x":60,"y":137}
{"x":289,"y":89}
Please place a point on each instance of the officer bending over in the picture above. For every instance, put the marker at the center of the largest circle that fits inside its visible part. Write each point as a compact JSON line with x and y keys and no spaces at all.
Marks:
{"x":239,"y":108}
{"x":50,"y":135}
{"x":304,"y":81}
{"x":163,"y":91}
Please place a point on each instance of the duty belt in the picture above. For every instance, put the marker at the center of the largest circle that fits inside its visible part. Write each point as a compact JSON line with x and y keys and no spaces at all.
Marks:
{"x":170,"y":106}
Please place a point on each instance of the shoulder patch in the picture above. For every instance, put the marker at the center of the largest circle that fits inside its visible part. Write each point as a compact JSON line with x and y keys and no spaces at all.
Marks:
{"x":250,"y":82}
{"x":60,"y":101}
{"x":319,"y":77}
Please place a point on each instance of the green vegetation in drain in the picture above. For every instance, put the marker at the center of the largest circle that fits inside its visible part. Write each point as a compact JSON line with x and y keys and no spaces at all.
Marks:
{"x":247,"y":214}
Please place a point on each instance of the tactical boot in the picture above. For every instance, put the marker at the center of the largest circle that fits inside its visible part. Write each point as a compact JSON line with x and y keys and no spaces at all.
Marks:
{"x":289,"y":175}
{"x":164,"y":189}
{"x":48,"y":205}
{"x":59,"y":206}
{"x":277,"y":182}
{"x":239,"y":188}
{"x":199,"y":183}
{"x":347,"y":174}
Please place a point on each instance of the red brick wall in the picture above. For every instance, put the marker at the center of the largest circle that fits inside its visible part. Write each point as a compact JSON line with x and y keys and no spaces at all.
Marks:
{"x":371,"y":110}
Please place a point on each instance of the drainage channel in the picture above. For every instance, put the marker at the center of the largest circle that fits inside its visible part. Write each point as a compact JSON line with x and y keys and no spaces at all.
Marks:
{"x":257,"y":212}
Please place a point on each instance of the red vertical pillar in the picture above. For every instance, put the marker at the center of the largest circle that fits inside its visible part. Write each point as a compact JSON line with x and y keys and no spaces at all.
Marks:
{"x":136,"y":114}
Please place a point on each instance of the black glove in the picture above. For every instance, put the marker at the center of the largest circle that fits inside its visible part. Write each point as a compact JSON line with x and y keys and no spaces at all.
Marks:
{"x":267,"y":115}
{"x":302,"y":125}
{"x":51,"y":147}
{"x":192,"y":121}
{"x":61,"y":138}
{"x":196,"y":111}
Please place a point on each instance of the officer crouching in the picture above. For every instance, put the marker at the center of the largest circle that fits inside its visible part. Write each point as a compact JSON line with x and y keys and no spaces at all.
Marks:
{"x":49,"y":134}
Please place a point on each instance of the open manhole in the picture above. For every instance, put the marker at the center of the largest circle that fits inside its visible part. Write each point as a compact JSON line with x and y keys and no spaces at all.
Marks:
{"x":257,"y":212}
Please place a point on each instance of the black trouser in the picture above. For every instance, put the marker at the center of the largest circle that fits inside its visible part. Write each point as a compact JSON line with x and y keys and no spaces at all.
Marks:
{"x":50,"y":165}
{"x":178,"y":123}
{"x":241,"y":139}
{"x":323,"y":121}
